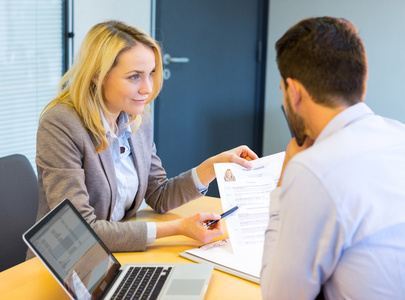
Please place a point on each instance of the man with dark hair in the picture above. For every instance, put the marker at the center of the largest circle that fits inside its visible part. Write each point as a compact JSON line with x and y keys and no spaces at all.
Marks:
{"x":337,"y":218}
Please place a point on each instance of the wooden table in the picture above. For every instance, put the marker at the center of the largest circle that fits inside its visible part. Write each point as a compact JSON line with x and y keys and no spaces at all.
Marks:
{"x":31,"y":280}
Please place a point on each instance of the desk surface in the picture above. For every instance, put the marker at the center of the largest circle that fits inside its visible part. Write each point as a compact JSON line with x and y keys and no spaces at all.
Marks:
{"x":31,"y":280}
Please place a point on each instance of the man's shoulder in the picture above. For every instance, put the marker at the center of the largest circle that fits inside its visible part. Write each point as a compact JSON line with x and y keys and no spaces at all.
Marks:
{"x":353,"y":144}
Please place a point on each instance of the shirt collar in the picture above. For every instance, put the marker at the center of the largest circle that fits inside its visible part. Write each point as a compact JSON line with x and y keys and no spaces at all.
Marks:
{"x":123,"y":130}
{"x":345,"y":118}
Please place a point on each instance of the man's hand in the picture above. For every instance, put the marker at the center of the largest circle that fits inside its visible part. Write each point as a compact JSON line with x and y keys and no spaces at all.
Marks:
{"x":292,"y":150}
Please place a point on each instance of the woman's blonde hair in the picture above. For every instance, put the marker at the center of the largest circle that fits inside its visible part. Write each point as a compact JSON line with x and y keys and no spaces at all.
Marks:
{"x":81,"y":86}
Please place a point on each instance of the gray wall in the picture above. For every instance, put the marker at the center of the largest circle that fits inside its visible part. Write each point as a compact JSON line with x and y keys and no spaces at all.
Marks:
{"x":382,"y":27}
{"x":90,"y":12}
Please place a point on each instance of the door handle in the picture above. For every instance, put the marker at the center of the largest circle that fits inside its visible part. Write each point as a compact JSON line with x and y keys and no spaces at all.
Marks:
{"x":167,"y":59}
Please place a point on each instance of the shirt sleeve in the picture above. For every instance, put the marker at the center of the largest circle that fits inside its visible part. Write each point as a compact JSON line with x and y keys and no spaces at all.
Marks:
{"x":150,"y":233}
{"x":202,"y":189}
{"x":303,"y":238}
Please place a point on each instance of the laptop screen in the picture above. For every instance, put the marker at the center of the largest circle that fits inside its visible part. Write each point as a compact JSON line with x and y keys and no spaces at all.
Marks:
{"x":73,"y":252}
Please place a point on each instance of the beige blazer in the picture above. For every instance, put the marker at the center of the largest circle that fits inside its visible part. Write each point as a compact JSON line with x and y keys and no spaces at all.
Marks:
{"x":68,"y":167}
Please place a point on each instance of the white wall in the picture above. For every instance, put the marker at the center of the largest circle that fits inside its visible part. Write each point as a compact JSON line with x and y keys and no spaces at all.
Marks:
{"x":381,"y":25}
{"x":90,"y":12}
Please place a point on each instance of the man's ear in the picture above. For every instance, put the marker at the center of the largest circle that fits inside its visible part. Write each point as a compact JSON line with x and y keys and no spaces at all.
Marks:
{"x":294,"y":90}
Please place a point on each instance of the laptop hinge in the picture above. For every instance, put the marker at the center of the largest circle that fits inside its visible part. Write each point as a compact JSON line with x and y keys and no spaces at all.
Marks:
{"x":111,"y":284}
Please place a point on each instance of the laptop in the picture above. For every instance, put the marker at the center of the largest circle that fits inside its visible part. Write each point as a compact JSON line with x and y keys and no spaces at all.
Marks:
{"x":86,"y":269}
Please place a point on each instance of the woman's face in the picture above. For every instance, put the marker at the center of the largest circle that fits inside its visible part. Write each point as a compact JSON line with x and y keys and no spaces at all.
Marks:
{"x":128,"y":84}
{"x":228,"y":174}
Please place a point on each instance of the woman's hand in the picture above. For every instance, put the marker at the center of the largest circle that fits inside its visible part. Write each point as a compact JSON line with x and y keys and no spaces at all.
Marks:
{"x":192,"y":227}
{"x":241,"y":155}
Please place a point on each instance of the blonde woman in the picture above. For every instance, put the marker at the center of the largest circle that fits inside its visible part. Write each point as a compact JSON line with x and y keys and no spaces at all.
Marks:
{"x":95,"y":147}
{"x":229,"y":175}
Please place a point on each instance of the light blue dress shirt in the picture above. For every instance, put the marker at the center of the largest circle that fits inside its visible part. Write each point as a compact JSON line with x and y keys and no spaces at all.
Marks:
{"x":338,"y":219}
{"x":127,"y":177}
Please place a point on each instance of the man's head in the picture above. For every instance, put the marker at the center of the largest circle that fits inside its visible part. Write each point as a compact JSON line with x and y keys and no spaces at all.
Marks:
{"x":328,"y":57}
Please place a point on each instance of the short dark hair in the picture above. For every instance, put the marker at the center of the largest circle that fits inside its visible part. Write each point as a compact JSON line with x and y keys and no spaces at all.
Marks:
{"x":328,"y":57}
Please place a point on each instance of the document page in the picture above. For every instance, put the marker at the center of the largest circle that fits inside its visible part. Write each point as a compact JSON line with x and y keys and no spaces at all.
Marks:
{"x":249,"y":189}
{"x":221,"y":255}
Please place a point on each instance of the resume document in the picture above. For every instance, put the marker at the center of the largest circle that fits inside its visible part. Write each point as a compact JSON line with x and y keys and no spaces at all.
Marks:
{"x":249,"y":189}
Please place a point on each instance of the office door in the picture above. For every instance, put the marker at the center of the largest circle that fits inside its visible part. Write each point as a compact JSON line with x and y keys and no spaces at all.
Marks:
{"x":212,"y":97}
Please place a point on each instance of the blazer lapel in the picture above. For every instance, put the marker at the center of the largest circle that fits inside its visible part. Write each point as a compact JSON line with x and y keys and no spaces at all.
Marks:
{"x":109,"y":170}
{"x":137,"y":152}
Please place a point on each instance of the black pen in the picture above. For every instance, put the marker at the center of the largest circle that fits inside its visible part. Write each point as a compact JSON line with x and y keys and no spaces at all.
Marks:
{"x":209,"y":223}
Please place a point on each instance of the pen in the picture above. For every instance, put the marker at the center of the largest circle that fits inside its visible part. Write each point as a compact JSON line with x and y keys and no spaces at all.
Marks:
{"x":209,"y":223}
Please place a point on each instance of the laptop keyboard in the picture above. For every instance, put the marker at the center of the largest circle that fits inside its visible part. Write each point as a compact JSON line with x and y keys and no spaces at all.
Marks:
{"x":142,"y":283}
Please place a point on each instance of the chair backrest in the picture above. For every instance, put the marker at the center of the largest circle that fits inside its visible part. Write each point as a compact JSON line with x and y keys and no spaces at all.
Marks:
{"x":18,"y":207}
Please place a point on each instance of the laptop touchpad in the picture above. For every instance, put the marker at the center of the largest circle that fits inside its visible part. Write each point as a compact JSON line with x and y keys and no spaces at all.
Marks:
{"x":186,"y":287}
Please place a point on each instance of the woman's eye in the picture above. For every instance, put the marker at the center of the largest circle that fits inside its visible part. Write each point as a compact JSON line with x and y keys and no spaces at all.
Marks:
{"x":133,"y":77}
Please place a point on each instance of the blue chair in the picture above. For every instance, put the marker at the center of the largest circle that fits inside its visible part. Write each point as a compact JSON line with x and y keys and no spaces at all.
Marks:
{"x":18,"y":207}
